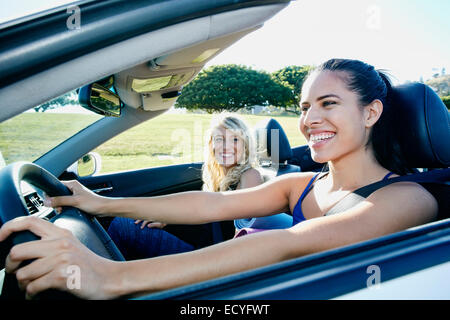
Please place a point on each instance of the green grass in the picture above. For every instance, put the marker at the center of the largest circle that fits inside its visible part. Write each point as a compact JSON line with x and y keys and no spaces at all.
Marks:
{"x":164,"y":140}
{"x":29,"y":135}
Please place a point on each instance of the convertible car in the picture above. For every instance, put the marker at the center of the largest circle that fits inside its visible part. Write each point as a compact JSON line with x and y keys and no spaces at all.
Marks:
{"x":128,"y":62}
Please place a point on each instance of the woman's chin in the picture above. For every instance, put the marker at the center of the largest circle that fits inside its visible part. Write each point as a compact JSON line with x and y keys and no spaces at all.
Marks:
{"x":319,"y":158}
{"x":227,"y":164}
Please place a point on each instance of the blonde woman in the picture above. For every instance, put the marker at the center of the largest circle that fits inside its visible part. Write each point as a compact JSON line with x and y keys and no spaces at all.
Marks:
{"x":230,"y":159}
{"x":230,"y":164}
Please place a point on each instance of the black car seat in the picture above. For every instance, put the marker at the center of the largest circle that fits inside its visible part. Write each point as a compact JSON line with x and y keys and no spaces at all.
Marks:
{"x":423,"y":130}
{"x":274,"y":149}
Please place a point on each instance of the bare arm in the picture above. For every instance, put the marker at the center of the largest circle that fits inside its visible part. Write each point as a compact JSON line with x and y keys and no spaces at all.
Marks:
{"x":193,"y":207}
{"x":390,"y":209}
{"x":250,"y":178}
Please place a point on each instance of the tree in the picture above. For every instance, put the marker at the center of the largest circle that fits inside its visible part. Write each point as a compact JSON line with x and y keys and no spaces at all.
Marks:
{"x":441,"y":84}
{"x":231,"y":87}
{"x":292,"y":77}
{"x":446,"y":101}
{"x":67,"y":98}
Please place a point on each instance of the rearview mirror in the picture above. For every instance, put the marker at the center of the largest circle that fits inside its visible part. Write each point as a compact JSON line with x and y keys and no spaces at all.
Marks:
{"x":99,"y":99}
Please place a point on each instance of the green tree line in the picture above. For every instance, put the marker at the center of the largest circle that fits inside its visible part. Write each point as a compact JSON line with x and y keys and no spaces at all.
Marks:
{"x":233,"y":87}
{"x":66,"y":99}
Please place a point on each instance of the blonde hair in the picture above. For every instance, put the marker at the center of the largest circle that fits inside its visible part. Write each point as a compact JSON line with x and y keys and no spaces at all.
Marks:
{"x":213,"y":174}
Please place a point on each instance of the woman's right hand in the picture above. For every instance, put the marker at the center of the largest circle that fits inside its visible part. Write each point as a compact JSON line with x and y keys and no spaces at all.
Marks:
{"x":81,"y":198}
{"x":59,"y":258}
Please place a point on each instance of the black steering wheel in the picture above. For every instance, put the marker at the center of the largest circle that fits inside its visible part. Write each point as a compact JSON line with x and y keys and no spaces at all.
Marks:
{"x":12,"y":205}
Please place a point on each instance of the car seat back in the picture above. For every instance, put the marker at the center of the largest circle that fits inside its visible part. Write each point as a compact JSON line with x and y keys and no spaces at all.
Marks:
{"x":274,"y":149}
{"x":423,"y":126}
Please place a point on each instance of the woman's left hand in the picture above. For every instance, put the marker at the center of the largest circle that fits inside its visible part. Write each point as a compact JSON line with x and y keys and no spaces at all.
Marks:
{"x":60,"y":261}
{"x":151,"y":224}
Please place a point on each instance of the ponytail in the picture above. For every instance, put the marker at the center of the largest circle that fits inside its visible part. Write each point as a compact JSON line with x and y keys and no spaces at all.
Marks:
{"x":384,"y":134}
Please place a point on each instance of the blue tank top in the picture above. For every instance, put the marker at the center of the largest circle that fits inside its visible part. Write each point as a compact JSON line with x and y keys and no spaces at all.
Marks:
{"x":297,"y":215}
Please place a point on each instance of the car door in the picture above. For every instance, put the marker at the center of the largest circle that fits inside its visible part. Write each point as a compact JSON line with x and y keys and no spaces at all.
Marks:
{"x":146,"y":182}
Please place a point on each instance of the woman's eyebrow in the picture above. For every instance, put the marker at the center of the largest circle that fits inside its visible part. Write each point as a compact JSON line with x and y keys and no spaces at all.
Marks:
{"x":331,"y":95}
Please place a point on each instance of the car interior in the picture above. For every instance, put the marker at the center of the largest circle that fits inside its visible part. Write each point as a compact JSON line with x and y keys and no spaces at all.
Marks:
{"x":165,"y":57}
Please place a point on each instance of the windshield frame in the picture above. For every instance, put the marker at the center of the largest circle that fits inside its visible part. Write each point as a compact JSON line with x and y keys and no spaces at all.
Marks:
{"x":26,"y":16}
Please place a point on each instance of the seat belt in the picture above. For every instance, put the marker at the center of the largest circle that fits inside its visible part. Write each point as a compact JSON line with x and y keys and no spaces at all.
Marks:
{"x":437,"y":182}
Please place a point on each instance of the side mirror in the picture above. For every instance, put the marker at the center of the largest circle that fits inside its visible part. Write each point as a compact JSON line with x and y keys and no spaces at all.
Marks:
{"x":87,"y":165}
{"x":100,"y":99}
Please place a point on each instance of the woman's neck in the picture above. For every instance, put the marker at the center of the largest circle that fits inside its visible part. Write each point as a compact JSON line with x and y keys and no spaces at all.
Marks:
{"x":224,"y":170}
{"x":354,"y":170}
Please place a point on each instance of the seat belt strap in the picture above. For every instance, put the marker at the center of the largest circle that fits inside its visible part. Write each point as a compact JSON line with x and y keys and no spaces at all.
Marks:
{"x":440,"y":176}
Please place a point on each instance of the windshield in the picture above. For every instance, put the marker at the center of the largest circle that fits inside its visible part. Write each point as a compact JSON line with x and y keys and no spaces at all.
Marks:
{"x":36,"y":131}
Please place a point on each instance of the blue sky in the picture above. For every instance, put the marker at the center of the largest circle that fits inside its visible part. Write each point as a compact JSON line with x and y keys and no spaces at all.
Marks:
{"x":409,"y":38}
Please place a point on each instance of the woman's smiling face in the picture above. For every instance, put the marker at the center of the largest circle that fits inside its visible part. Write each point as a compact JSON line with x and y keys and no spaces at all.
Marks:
{"x":331,"y":118}
{"x":228,"y":147}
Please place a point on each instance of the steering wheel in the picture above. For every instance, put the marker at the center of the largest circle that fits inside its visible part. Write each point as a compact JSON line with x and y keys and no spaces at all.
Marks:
{"x":12,"y":205}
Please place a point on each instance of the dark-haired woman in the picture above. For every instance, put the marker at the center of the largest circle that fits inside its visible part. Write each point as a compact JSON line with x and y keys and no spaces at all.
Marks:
{"x":342,"y":104}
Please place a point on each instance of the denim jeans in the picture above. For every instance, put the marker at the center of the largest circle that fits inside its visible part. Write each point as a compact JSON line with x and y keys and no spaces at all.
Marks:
{"x":136,"y":243}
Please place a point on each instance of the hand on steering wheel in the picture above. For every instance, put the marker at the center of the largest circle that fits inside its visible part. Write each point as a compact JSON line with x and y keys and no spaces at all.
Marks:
{"x":40,"y":252}
{"x":60,"y":261}
{"x":81,"y":198}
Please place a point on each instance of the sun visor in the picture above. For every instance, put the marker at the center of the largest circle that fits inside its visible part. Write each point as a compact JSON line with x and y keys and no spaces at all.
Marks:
{"x":156,"y":84}
{"x":161,"y":83}
{"x":199,"y":54}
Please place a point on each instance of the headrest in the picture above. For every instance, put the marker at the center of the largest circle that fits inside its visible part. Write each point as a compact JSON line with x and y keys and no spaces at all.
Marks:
{"x":424,"y":126}
{"x":272,"y":142}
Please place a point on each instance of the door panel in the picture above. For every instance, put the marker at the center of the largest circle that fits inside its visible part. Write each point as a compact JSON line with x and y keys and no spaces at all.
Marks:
{"x":147,"y":182}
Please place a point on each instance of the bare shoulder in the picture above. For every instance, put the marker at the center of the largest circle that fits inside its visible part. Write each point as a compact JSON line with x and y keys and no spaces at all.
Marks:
{"x":404,"y":190}
{"x":292,"y":183}
{"x":296,"y":178}
{"x":251,"y":174}
{"x":250,"y":178}
{"x":407,"y":199}
{"x":272,"y":196}
{"x":284,"y":184}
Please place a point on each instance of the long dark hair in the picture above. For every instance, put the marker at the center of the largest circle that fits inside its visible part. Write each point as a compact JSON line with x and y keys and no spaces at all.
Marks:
{"x":370,"y":84}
